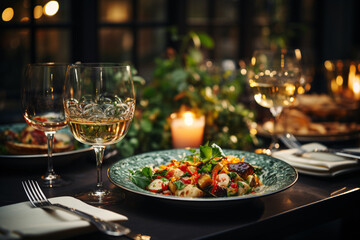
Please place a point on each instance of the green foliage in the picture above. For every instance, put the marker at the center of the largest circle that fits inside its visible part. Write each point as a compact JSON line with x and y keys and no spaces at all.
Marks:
{"x":182,"y":79}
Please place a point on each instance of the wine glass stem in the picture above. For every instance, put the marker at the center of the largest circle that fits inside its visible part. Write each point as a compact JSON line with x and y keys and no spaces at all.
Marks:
{"x":275,"y":111}
{"x":50,"y":144}
{"x":99,"y":153}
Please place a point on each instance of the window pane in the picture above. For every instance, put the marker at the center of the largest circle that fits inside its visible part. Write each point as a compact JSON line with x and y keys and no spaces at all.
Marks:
{"x":197,"y":11}
{"x":14,"y":52}
{"x":115,"y":44}
{"x":226,"y":43}
{"x":115,"y":11}
{"x":15,"y":11}
{"x":46,"y":11}
{"x":226,"y":11}
{"x":52,"y":45}
{"x":152,"y":44}
{"x":152,"y":10}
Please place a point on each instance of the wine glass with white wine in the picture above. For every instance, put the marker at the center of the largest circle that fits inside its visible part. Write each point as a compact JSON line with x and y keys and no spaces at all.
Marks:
{"x":99,"y":103}
{"x":274,"y":77}
{"x":42,"y":107}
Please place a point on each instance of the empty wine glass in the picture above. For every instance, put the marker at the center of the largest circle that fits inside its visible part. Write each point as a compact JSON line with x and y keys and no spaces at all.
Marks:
{"x":274,"y":77}
{"x":99,"y":103}
{"x":42,"y":108}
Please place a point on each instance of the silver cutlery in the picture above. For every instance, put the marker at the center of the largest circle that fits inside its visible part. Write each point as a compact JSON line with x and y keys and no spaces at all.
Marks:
{"x":291,"y":142}
{"x":38,"y":199}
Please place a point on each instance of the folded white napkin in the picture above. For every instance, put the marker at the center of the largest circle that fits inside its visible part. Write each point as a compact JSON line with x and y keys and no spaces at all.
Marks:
{"x":317,"y":163}
{"x":22,"y":220}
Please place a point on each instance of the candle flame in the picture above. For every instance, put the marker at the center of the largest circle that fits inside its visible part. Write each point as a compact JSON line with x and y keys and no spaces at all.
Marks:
{"x":188,"y":118}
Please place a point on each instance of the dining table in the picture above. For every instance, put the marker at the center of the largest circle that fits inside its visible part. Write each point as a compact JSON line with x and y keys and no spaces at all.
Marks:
{"x":328,"y":207}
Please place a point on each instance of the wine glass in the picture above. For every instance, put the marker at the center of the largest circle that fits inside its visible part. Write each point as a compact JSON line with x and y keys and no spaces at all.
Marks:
{"x":42,"y":108}
{"x":274,"y":77}
{"x":99,"y":103}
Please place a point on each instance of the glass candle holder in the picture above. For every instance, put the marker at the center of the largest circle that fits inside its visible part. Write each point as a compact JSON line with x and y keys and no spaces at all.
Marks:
{"x":187,"y":129}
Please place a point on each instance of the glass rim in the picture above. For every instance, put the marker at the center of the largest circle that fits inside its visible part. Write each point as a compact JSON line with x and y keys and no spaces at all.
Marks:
{"x":48,"y":64}
{"x":99,"y":65}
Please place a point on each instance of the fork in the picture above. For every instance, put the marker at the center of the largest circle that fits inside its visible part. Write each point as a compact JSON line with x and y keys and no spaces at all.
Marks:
{"x":291,"y":142}
{"x":38,"y":199}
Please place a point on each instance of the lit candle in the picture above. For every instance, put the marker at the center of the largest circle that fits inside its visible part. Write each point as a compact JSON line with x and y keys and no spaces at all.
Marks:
{"x":187,"y":130}
{"x":356,"y":87}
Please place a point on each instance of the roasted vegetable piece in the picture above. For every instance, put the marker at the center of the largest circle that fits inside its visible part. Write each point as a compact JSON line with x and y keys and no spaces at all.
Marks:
{"x":223,"y":180}
{"x":243,"y":188}
{"x":251,"y":180}
{"x":204,"y":181}
{"x":158,"y":185}
{"x":218,"y":167}
{"x":172,"y":187}
{"x":220,"y":191}
{"x":191,"y":169}
{"x":190,"y":191}
{"x":244,"y":169}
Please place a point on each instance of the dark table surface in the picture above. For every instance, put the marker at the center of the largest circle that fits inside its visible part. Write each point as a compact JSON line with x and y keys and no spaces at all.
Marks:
{"x":310,"y":204}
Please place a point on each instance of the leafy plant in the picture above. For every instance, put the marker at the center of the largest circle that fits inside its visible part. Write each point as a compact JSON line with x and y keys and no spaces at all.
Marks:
{"x":183,"y":80}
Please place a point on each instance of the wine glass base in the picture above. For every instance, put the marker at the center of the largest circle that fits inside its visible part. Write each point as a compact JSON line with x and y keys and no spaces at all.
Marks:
{"x":53,"y":180}
{"x":101,"y":197}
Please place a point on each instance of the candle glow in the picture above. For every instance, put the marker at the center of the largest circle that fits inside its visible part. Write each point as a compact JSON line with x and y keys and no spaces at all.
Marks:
{"x":187,"y":130}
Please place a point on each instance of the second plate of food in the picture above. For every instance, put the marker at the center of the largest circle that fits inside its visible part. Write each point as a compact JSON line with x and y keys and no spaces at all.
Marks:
{"x":13,"y":152}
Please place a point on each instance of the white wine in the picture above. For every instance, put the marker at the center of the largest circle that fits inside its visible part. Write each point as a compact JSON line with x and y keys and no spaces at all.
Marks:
{"x":274,"y":95}
{"x":102,"y":132}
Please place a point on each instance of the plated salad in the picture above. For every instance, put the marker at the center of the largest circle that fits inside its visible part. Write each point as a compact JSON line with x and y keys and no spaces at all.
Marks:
{"x":204,"y":173}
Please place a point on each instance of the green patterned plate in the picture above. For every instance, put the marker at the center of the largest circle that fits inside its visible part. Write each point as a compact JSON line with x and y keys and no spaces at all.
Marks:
{"x":276,"y":175}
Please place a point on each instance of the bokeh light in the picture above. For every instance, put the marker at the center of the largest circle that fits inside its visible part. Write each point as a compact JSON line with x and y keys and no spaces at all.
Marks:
{"x":51,"y":8}
{"x":38,"y":11}
{"x":7,"y":14}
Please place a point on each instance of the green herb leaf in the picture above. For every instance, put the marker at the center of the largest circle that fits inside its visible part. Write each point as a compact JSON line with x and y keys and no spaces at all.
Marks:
{"x":206,"y":168}
{"x":147,"y":172}
{"x":139,"y":179}
{"x":232,"y":175}
{"x":217,"y":151}
{"x":193,"y":150}
{"x":179,"y":185}
{"x":205,"y":153}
